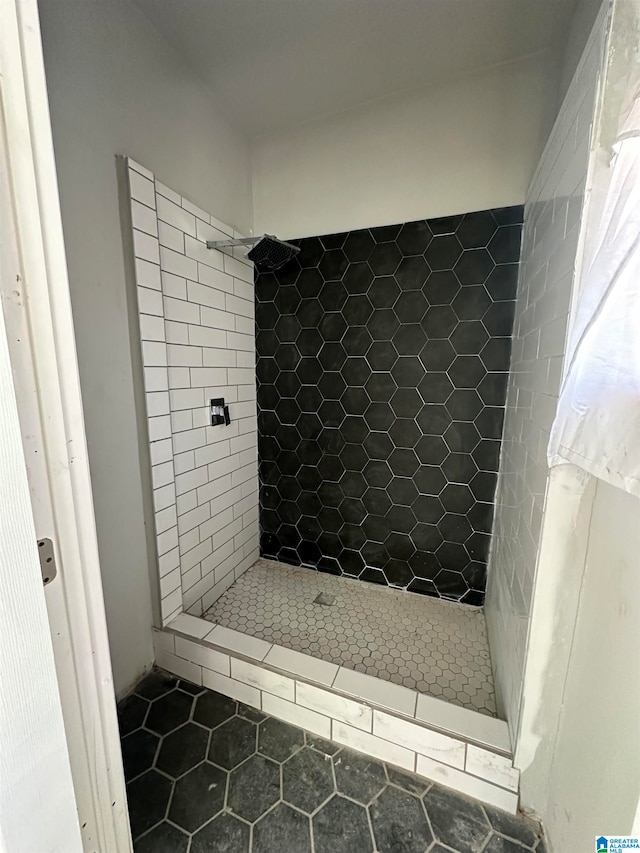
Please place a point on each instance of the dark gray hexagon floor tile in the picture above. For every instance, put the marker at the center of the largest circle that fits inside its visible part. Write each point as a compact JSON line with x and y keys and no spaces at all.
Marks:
{"x":398,"y":573}
{"x":282,"y":829}
{"x":342,"y":827}
{"x":509,"y":215}
{"x":384,"y":257}
{"x":332,"y":267}
{"x":311,"y":250}
{"x":443,"y":252}
{"x":498,"y":319}
{"x":358,"y":245}
{"x":399,"y":823}
{"x":383,"y":292}
{"x":407,"y":781}
{"x":254,"y":787}
{"x":412,"y":273}
{"x":442,"y":287}
{"x":359,"y":777}
{"x":503,"y":282}
{"x":410,"y":338}
{"x":138,"y":751}
{"x":156,"y":684}
{"x":505,"y":244}
{"x":411,"y":306}
{"x":414,"y":237}
{"x":496,"y":353}
{"x":408,"y":371}
{"x":148,"y":797}
{"x":513,"y":826}
{"x":423,"y":587}
{"x":188,"y":687}
{"x":476,"y":229}
{"x":474,"y":267}
{"x":357,"y":278}
{"x":356,"y":340}
{"x":232,"y":742}
{"x":211,"y":709}
{"x":456,"y":821}
{"x":198,"y":796}
{"x":163,"y":838}
{"x":225,"y":834}
{"x":322,"y":745}
{"x":373,"y":576}
{"x":169,"y":712}
{"x":445,"y":224}
{"x":250,"y":713}
{"x":131,"y":713}
{"x":278,"y":740}
{"x":307,"y":779}
{"x":499,"y":844}
{"x":183,"y":749}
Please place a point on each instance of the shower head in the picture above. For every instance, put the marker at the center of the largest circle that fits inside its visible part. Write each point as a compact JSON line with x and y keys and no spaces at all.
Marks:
{"x":268,"y":252}
{"x":271,"y":253}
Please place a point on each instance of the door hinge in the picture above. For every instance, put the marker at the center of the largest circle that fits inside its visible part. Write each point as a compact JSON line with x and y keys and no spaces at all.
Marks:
{"x":47,"y":556}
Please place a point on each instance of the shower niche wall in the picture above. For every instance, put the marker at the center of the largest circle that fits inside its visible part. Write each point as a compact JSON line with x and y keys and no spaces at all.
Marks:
{"x":383,"y":357}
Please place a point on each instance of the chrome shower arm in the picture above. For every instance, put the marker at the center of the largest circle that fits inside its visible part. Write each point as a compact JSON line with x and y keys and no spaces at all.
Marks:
{"x":232,"y":241}
{"x":268,"y":253}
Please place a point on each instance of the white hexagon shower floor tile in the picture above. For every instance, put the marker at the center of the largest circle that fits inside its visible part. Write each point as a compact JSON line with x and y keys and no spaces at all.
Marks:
{"x":427,"y":644}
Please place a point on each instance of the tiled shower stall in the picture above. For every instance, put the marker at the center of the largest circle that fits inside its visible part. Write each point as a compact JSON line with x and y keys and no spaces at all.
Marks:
{"x":382,"y":363}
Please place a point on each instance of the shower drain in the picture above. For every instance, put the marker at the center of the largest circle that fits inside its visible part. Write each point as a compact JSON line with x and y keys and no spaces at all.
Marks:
{"x":324,"y":598}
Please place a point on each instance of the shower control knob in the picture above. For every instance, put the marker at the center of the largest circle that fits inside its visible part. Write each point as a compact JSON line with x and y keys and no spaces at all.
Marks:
{"x":219,"y":412}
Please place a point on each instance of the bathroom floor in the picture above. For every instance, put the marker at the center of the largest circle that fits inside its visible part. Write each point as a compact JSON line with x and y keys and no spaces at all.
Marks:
{"x":207,"y":775}
{"x":427,"y":644}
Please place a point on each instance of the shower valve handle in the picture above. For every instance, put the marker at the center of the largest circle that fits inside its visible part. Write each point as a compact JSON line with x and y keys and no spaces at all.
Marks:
{"x":219,"y":412}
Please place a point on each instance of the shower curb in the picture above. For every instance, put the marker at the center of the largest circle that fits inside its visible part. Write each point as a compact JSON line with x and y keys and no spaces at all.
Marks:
{"x":455,"y":747}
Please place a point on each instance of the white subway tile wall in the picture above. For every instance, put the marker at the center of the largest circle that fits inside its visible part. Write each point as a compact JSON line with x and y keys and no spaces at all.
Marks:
{"x":552,"y":222}
{"x":196,"y":309}
{"x":291,"y":689}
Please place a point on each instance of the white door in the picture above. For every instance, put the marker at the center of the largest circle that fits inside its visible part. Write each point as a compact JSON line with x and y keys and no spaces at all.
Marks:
{"x":39,"y":381}
{"x":37,"y":801}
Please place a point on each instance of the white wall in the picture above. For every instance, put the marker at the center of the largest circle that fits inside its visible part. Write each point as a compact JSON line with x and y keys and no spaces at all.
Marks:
{"x":594,"y":785}
{"x":115,"y":87}
{"x":584,"y":741}
{"x":196,"y":312}
{"x":551,"y":232}
{"x":576,"y":37}
{"x":469,"y":144}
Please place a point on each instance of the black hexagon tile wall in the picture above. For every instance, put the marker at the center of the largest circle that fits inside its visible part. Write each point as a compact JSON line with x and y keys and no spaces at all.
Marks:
{"x":383,"y":357}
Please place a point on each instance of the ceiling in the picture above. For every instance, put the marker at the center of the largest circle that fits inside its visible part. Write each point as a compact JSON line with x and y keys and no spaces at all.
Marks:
{"x":279,"y":63}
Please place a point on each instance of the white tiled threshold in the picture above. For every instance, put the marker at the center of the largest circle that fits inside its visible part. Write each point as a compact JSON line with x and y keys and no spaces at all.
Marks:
{"x":457,"y":747}
{"x":423,"y":643}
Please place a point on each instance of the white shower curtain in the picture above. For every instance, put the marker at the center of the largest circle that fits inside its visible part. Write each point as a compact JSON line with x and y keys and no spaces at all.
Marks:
{"x":597,"y":424}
